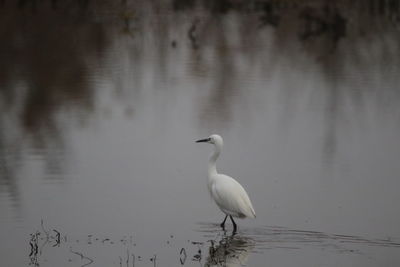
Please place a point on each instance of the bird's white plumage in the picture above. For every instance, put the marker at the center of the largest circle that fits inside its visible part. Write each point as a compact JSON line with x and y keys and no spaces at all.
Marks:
{"x":231,"y":197}
{"x":227,"y":193}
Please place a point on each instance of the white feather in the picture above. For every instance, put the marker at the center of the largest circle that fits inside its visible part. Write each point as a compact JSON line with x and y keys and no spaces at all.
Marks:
{"x":231,"y":197}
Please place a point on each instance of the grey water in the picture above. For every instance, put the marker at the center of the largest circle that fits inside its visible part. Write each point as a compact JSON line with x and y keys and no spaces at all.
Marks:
{"x":101,"y":102}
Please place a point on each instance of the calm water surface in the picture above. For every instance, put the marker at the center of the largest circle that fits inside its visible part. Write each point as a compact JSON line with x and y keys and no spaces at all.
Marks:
{"x":101,"y":102}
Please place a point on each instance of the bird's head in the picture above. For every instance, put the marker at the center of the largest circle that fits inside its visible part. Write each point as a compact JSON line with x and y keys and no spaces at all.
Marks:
{"x":214,"y":139}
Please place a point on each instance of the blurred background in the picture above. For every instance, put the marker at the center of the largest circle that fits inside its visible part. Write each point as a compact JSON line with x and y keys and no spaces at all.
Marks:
{"x":101,"y":102}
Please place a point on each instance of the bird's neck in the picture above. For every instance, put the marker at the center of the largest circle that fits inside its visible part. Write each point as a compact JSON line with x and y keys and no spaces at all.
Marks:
{"x":212,"y":165}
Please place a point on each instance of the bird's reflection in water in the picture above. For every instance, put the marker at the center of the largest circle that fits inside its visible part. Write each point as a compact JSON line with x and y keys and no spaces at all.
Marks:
{"x":232,"y":250}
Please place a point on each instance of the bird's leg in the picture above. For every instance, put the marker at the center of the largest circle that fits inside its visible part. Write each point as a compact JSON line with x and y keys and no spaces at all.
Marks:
{"x":234,"y":224}
{"x":223,"y":223}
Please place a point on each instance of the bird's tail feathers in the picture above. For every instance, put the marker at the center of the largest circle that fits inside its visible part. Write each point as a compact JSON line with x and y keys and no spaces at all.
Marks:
{"x":253,"y":213}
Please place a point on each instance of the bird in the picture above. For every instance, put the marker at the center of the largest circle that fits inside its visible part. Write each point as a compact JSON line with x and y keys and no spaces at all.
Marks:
{"x":228,"y":194}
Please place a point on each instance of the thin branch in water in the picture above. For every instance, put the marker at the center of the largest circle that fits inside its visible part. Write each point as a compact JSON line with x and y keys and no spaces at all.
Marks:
{"x":58,"y":238}
{"x":154,"y":259}
{"x":182,"y":253}
{"x":44,"y":230}
{"x":127,"y":257}
{"x":82,"y":257}
{"x":33,"y":255}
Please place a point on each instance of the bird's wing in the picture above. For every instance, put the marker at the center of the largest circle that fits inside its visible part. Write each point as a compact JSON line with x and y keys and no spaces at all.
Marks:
{"x":230,"y":195}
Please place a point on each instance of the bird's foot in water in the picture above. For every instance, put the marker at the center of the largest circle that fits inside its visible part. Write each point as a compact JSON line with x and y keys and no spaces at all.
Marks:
{"x":234,"y":230}
{"x":234,"y":225}
{"x":223,"y":223}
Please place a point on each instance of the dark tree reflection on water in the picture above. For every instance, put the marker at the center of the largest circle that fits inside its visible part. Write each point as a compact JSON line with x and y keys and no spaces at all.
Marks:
{"x":44,"y":73}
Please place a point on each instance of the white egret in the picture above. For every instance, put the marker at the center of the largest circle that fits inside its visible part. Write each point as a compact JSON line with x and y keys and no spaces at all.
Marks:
{"x":227,"y":193}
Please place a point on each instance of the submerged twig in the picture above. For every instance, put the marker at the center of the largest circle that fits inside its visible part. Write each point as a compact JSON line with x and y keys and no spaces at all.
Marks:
{"x":154,"y":260}
{"x":33,"y":255}
{"x":58,"y":238}
{"x":82,"y":257}
{"x":44,"y":230}
{"x":182,"y":253}
{"x":127,"y":257}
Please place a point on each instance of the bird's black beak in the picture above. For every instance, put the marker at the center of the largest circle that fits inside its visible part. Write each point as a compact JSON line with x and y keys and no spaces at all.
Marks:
{"x":203,"y":140}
